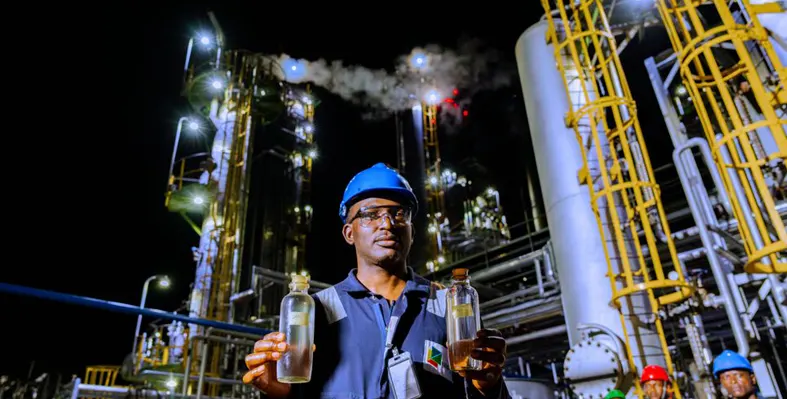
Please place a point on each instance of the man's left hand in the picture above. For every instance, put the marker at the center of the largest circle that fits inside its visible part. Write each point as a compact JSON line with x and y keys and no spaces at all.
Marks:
{"x":489,"y":348}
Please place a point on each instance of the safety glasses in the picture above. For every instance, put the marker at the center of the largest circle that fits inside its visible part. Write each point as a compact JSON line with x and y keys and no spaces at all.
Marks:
{"x":373,"y":215}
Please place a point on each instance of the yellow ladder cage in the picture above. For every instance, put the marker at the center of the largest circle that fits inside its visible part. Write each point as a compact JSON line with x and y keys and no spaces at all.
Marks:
{"x":435,"y":189}
{"x":624,"y":195}
{"x":737,"y":149}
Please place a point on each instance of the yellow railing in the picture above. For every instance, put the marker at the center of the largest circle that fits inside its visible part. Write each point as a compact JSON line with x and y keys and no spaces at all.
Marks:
{"x":737,"y":148}
{"x":617,"y":170}
{"x":101,"y":375}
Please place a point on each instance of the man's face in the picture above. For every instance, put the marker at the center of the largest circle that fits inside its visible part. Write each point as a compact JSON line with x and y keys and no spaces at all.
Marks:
{"x":380,"y":229}
{"x":654,"y":389}
{"x":737,"y":383}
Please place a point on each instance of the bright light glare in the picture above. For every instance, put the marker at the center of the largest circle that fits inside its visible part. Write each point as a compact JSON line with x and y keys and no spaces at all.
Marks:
{"x":193,"y":125}
{"x":216,"y":84}
{"x":164,"y":282}
{"x":204,"y":40}
{"x":433,"y":180}
{"x":172,"y":384}
{"x":312,"y":154}
{"x":199,"y":200}
{"x":432,"y":97}
{"x":294,"y":70}
{"x":418,"y":60}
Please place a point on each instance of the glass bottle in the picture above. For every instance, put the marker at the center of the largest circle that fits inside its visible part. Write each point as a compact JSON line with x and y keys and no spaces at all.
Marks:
{"x":463,"y":320}
{"x":296,"y":321}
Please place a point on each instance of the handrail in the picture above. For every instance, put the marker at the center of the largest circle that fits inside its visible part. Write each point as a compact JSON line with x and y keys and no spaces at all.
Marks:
{"x":123,"y":308}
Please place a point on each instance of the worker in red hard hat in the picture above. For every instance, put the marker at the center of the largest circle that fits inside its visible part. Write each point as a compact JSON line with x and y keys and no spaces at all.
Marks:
{"x":655,"y":382}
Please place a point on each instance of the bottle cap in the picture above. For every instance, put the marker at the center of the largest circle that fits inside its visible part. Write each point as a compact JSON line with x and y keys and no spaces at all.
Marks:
{"x":299,"y":279}
{"x":459,"y":272}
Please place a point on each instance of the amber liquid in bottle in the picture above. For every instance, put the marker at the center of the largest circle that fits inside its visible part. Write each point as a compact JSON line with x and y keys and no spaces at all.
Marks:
{"x":463,"y":321}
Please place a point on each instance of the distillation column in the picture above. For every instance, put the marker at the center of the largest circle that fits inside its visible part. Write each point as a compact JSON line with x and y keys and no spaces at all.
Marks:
{"x":301,"y":107}
{"x":623,"y":194}
{"x":749,"y":152}
{"x":226,"y":180}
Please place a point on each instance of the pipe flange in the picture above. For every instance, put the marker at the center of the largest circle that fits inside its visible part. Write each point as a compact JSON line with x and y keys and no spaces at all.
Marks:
{"x":592,"y":368}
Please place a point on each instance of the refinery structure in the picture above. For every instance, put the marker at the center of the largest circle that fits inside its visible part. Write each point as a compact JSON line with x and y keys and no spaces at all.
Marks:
{"x":606,"y":279}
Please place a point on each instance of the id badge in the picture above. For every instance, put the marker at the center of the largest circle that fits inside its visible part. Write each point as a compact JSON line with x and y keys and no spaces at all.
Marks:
{"x":401,"y":377}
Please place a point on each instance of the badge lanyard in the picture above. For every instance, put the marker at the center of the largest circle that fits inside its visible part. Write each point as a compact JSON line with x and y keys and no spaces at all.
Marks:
{"x":401,"y":376}
{"x":390,"y":329}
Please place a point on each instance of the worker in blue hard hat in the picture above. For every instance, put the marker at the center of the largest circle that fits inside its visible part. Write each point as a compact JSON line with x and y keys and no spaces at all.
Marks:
{"x":736,"y":375}
{"x":381,"y":332}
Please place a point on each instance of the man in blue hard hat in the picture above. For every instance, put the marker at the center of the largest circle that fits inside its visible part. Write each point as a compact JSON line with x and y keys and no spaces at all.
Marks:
{"x":736,"y":375}
{"x":381,"y":332}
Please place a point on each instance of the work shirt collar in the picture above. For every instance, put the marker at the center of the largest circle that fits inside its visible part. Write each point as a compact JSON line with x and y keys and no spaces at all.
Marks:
{"x":352,"y":285}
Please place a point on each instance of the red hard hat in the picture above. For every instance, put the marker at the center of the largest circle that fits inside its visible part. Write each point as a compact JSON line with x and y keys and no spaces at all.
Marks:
{"x":653,"y":372}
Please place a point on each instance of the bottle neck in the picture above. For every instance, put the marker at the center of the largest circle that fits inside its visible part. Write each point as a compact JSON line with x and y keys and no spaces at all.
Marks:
{"x":303,"y":288}
{"x":461,"y":281}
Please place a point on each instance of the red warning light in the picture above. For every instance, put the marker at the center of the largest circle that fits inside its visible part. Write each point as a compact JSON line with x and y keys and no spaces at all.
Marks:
{"x":449,"y":100}
{"x":456,"y":92}
{"x":464,"y":113}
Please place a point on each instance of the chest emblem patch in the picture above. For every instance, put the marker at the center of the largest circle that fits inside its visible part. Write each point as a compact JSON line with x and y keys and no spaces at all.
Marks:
{"x":434,"y":357}
{"x":435,"y":360}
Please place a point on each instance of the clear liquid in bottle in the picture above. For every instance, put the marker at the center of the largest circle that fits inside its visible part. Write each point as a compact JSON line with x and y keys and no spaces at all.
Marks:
{"x":296,"y":321}
{"x":463,"y":320}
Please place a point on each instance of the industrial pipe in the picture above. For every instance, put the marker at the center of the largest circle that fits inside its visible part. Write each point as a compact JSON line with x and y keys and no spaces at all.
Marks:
{"x":529,"y":315}
{"x":507,"y":266}
{"x":100,"y":391}
{"x":517,"y":294}
{"x":547,"y":332}
{"x":212,"y":380}
{"x":283,"y":277}
{"x":522,"y":306}
{"x":197,"y":338}
{"x":203,"y":363}
{"x":124,"y":308}
{"x":719,"y":274}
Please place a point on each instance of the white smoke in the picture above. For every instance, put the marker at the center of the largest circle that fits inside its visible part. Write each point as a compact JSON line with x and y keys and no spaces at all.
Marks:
{"x":470,"y":67}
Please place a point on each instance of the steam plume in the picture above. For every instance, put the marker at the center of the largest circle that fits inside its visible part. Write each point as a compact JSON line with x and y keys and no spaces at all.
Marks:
{"x":437,"y":70}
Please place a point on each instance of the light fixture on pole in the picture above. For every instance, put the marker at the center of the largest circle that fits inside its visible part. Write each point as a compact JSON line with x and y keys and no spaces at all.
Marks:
{"x":163,"y":282}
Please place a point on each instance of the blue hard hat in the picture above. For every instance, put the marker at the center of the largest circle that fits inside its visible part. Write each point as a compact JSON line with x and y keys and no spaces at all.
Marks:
{"x":729,"y":360}
{"x":378,"y":179}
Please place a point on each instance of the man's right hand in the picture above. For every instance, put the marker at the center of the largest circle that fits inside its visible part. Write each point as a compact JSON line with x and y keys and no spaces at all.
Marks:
{"x":262,"y":365}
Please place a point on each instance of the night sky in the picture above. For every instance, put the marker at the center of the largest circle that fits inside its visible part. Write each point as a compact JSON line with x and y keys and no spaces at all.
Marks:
{"x":113,"y":82}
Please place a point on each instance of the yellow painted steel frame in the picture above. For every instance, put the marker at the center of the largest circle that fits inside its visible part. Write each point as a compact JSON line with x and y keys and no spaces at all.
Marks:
{"x":435,"y":193}
{"x":101,"y":375}
{"x":239,"y":102}
{"x":713,"y":94}
{"x":590,"y":46}
{"x":230,"y":218}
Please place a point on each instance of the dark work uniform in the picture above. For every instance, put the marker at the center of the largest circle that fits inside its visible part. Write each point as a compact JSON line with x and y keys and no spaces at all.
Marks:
{"x":350,"y":333}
